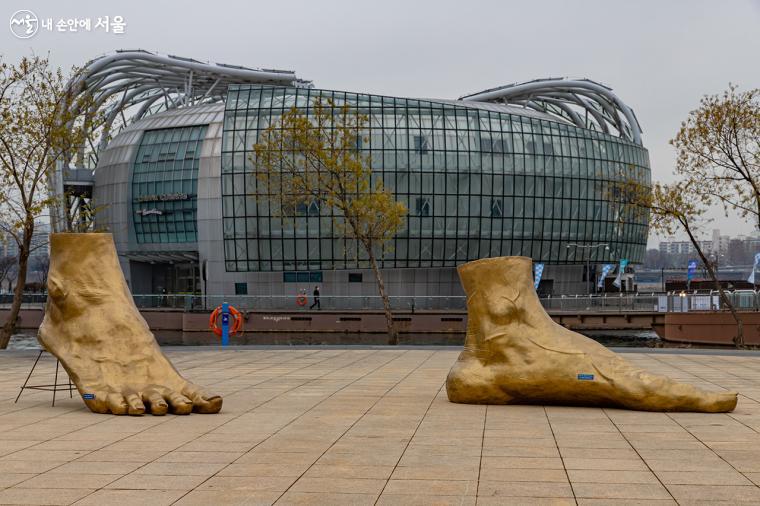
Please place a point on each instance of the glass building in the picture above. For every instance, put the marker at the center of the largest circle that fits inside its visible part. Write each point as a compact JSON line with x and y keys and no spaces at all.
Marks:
{"x":525,"y":169}
{"x":479,"y":180}
{"x":165,"y":185}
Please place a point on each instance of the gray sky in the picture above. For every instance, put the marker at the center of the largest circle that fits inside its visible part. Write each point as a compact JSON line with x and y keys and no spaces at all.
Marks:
{"x":659,"y":56}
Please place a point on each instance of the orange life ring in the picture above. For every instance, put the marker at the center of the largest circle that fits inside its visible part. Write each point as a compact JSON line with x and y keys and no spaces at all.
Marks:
{"x":237,"y":323}
{"x":301,"y":299}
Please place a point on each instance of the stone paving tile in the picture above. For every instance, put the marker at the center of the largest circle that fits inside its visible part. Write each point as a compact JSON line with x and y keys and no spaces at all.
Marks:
{"x":607,"y":476}
{"x":373,"y":426}
{"x":703,"y":478}
{"x":431,"y":487}
{"x":228,"y":498}
{"x":180,"y":468}
{"x":339,"y":485}
{"x":131,"y":497}
{"x":255,"y":483}
{"x":254,"y":469}
{"x":599,"y":453}
{"x":605,"y":464}
{"x":78,"y":480}
{"x":626,"y":502}
{"x":683,"y":493}
{"x":425,"y":500}
{"x":433,"y":472}
{"x":10,"y":479}
{"x":519,"y":451}
{"x":42,"y":495}
{"x":361,"y":472}
{"x":639,"y":491}
{"x":318,"y":498}
{"x":524,"y":489}
{"x":521,"y":463}
{"x":496,"y":474}
{"x":156,"y":482}
{"x":26,"y":466}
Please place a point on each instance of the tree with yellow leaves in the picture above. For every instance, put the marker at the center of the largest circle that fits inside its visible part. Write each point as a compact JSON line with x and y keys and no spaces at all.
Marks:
{"x":37,"y":132}
{"x":719,"y":151}
{"x":671,"y":207}
{"x":718,"y":161}
{"x":315,"y":159}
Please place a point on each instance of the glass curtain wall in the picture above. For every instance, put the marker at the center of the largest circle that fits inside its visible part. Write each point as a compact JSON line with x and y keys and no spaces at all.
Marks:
{"x":479,"y":180}
{"x":164,"y":185}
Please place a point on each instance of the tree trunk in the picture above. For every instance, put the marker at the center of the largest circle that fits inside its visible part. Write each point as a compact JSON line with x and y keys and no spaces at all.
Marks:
{"x":18,"y":292}
{"x":739,"y":337}
{"x":392,"y":334}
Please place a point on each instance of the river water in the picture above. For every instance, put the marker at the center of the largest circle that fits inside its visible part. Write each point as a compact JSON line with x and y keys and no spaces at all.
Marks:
{"x":23,"y":342}
{"x":624,"y":338}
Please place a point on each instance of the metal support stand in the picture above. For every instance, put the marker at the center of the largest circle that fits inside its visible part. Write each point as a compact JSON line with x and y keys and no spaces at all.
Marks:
{"x":55,"y":387}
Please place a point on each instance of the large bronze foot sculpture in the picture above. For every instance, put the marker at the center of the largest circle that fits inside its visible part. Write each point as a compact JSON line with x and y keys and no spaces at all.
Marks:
{"x":515,"y":354}
{"x":92,"y":325}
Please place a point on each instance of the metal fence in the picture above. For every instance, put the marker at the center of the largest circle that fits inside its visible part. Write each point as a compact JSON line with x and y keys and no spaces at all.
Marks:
{"x":290,"y":302}
{"x":747,"y":300}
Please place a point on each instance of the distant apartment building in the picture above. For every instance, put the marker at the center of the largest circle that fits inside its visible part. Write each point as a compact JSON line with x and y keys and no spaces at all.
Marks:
{"x":718,"y":245}
{"x":9,"y":248}
{"x":685,"y":247}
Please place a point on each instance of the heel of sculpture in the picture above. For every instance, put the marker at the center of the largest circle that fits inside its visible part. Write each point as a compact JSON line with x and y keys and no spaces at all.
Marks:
{"x":469,"y":382}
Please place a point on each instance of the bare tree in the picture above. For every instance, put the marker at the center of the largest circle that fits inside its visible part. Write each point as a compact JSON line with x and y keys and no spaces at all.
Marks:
{"x":719,"y":151}
{"x":37,"y":132}
{"x":674,"y":207}
{"x":314,"y":161}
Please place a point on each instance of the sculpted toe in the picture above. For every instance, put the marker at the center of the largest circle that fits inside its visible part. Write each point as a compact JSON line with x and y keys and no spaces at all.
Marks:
{"x":136,"y":406}
{"x":155,"y":402}
{"x":207,"y":404}
{"x":179,"y":404}
{"x":721,"y":402}
{"x":117,"y":404}
{"x":202,"y":401}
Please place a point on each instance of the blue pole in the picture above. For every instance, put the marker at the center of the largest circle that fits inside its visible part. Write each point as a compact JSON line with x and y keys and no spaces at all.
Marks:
{"x":225,"y":323}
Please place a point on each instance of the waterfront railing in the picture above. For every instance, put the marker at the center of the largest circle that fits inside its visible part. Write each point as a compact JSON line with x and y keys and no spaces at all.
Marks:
{"x":745,"y":300}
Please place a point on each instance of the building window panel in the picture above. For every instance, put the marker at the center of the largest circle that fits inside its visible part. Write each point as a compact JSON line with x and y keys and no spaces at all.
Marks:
{"x":470,"y":146}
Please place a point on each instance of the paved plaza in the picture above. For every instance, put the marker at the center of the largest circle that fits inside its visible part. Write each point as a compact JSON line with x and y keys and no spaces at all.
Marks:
{"x":373,"y":426}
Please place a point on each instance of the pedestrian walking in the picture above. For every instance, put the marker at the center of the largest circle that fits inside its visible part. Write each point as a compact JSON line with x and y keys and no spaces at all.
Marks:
{"x":316,"y":299}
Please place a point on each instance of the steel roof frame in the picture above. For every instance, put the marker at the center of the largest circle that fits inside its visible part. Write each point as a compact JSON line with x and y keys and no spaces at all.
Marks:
{"x":128,"y":83}
{"x":564,"y":98}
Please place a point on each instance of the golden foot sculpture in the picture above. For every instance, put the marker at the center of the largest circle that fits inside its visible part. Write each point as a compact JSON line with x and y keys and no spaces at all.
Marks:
{"x":92,"y":326}
{"x":514,"y":353}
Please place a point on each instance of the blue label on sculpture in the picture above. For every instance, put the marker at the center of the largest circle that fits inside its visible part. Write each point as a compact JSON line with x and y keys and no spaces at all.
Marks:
{"x":586,"y":377}
{"x":88,"y":397}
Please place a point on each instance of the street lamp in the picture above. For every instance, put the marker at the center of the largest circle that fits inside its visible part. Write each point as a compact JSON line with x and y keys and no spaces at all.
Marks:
{"x":588,"y":248}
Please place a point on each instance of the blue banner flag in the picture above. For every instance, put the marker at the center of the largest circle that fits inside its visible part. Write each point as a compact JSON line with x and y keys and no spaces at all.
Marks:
{"x":619,"y":279}
{"x":539,"y":270}
{"x":751,"y":277}
{"x":606,"y":269}
{"x":691,"y":270}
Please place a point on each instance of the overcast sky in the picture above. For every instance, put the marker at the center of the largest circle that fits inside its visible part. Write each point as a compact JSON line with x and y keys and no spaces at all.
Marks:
{"x":659,"y":56}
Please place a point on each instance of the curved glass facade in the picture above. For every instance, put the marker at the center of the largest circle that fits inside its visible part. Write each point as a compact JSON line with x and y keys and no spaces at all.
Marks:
{"x":479,"y":180}
{"x":165,"y":185}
